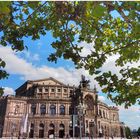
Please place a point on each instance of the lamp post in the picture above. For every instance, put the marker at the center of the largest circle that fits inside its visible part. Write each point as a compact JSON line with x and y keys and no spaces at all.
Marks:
{"x":81,"y":112}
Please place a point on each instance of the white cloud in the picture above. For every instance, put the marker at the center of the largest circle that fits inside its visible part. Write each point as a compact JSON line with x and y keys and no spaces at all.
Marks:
{"x":29,"y":56}
{"x":130,"y":116}
{"x":8,"y":91}
{"x":101,"y":98}
{"x":39,"y":44}
{"x":87,"y":48}
{"x":109,"y":65}
{"x":135,"y":108}
{"x":17,"y":65}
{"x":27,"y":71}
{"x":36,"y":57}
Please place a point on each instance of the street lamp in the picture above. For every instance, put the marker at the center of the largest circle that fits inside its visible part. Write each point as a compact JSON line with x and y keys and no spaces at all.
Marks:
{"x":81,"y":112}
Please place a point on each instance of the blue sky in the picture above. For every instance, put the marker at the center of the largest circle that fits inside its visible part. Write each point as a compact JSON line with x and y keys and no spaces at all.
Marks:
{"x":32,"y":64}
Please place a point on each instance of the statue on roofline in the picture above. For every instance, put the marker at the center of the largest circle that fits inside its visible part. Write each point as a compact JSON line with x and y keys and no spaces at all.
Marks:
{"x":84,"y":83}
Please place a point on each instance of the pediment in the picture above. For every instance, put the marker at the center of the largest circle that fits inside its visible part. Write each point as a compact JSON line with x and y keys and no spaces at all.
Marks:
{"x":48,"y":81}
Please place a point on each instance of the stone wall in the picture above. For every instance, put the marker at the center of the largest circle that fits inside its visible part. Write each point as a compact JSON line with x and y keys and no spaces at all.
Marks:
{"x":47,"y":103}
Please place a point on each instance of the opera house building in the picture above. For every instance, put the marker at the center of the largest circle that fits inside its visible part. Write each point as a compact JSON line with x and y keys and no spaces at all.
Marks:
{"x":48,"y":108}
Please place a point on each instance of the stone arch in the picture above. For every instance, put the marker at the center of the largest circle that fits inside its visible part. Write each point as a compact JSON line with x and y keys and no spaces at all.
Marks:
{"x":51,"y":131}
{"x":41,"y":130}
{"x":90,"y":103}
{"x":102,"y":128}
{"x":61,"y":130}
{"x":88,"y":94}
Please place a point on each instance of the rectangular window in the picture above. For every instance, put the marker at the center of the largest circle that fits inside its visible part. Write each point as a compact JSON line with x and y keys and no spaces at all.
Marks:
{"x":52,"y":90}
{"x":65,"y":90}
{"x":59,"y":90}
{"x":40,"y":89}
{"x":46,"y":89}
{"x":71,"y":91}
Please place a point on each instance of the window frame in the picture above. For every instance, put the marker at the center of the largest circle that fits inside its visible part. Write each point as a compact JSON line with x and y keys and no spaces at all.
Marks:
{"x":52,"y":109}
{"x":62,"y":110}
{"x":42,"y":110}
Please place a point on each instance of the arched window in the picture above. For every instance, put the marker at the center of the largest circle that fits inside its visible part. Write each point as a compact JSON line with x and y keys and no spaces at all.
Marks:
{"x":61,"y":126}
{"x":33,"y":109}
{"x":43,"y":109}
{"x":62,"y":110}
{"x":61,"y":130}
{"x":51,"y":126}
{"x":52,"y":109}
{"x":51,"y":130}
{"x":41,"y":130}
{"x":90,"y":105}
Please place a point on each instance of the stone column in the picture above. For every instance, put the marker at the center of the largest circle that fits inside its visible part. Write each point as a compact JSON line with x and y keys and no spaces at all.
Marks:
{"x":49,"y":91}
{"x":48,"y":109}
{"x":66,"y":123}
{"x":36,"y":129}
{"x":56,"y":123}
{"x":109,"y":130}
{"x":62,"y":90}
{"x":38,"y":109}
{"x":6,"y":129}
{"x":55,"y":92}
{"x":29,"y":108}
{"x":66,"y":109}
{"x":46,"y":129}
{"x":57,"y":108}
{"x":124,"y":132}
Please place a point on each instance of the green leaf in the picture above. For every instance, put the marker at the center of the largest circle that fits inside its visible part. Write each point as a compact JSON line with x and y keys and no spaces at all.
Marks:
{"x":99,"y":11}
{"x":3,"y":64}
{"x":97,"y":72}
{"x":4,"y":7}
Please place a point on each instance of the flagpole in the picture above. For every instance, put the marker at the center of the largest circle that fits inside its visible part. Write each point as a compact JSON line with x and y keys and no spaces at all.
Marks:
{"x":25,"y":125}
{"x":24,"y":121}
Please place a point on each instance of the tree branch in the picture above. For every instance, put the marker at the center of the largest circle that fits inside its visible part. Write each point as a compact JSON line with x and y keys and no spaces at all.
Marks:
{"x":35,"y":11}
{"x":128,"y":45}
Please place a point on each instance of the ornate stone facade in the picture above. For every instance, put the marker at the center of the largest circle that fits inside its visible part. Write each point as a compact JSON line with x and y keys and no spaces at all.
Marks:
{"x":47,"y":105}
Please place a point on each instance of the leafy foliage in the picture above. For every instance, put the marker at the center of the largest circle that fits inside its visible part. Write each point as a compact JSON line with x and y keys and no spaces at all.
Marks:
{"x":128,"y":133}
{"x":72,"y":23}
{"x":138,"y":131}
